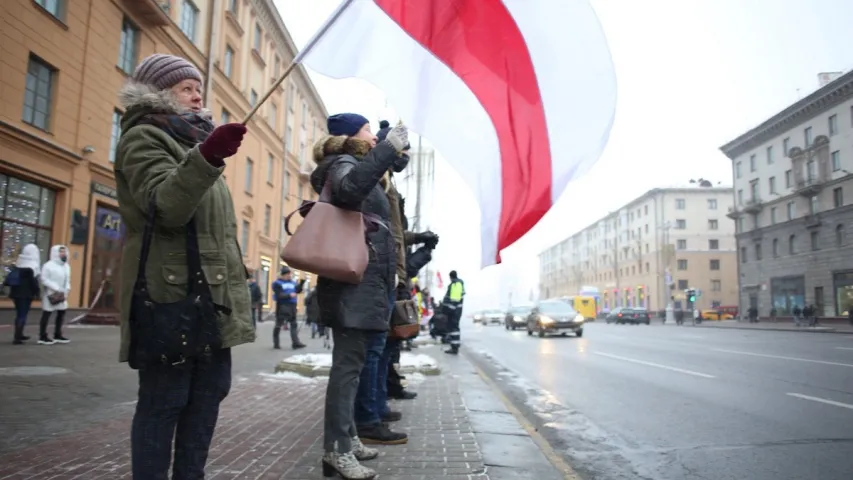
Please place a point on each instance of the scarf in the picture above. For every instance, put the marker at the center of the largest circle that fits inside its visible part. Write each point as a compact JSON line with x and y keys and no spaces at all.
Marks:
{"x":187,"y":128}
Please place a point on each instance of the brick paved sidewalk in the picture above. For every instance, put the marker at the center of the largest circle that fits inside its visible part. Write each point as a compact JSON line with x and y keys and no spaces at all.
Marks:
{"x":270,"y":428}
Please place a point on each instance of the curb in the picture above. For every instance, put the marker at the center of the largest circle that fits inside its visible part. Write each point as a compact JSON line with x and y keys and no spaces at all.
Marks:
{"x":802,"y":330}
{"x":314,"y":371}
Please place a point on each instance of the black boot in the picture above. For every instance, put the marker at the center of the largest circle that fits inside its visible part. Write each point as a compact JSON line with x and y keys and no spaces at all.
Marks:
{"x":379,"y":434}
{"x":19,"y":335}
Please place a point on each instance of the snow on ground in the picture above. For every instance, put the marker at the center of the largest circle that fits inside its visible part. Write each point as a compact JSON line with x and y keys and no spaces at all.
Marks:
{"x":289,"y":377}
{"x":317,"y":360}
{"x":417,"y":360}
{"x":414,"y":379}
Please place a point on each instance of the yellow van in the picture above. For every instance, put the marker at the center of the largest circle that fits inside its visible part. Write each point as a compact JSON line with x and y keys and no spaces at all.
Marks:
{"x":585,"y":305}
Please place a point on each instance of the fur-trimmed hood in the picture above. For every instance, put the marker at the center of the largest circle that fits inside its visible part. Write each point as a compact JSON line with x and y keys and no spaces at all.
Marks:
{"x":139,"y":99}
{"x":331,"y":147}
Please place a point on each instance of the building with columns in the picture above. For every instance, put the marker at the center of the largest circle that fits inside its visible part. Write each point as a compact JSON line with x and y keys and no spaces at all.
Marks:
{"x":649,"y":251}
{"x":793,"y":186}
{"x":63,"y":62}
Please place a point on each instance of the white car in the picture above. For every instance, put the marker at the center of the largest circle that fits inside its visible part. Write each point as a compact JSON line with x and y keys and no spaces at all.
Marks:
{"x":493,"y":317}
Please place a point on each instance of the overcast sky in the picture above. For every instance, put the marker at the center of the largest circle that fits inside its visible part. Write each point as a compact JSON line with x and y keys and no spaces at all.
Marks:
{"x":691,"y":76}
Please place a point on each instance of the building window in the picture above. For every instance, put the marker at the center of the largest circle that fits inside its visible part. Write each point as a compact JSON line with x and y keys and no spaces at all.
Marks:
{"x":836,"y":161}
{"x":713,"y":244}
{"x":786,"y":292}
{"x":253,"y":97}
{"x":775,"y":247}
{"x":680,"y":224}
{"x":189,"y":18}
{"x":769,"y":151}
{"x":273,"y":116}
{"x":53,"y":7}
{"x":286,"y":187}
{"x":814,"y":240}
{"x":232,"y":6}
{"x":714,"y":264}
{"x":792,"y":245}
{"x":304,"y":115}
{"x":839,"y":235}
{"x":753,"y":191}
{"x":26,"y":214}
{"x":244,"y":236}
{"x":682,"y":264}
{"x":683,"y":284}
{"x":127,"y":55}
{"x":787,"y":179}
{"x":716,"y":286}
{"x":225,"y":118}
{"x":291,"y":92}
{"x":299,"y":191}
{"x":258,"y":36}
{"x":786,"y":146}
{"x":270,"y":168}
{"x":811,"y":171}
{"x":712,"y":204}
{"x":792,"y":210}
{"x":276,"y":70}
{"x":807,"y":136}
{"x":681,"y":244}
{"x":739,"y":225}
{"x":250,"y":167}
{"x":680,"y":204}
{"x":115,"y":134}
{"x":737,"y":170}
{"x":267,"y":219}
{"x":288,"y":138}
{"x":38,"y":94}
{"x":713,"y":224}
{"x":645,"y":209}
{"x":742,"y":254}
{"x":771,"y":184}
{"x":772,"y":215}
{"x":814,"y":205}
{"x":228,"y":62}
{"x":740,"y":197}
{"x":752,"y":163}
{"x":833,"y":125}
{"x":758,"y":251}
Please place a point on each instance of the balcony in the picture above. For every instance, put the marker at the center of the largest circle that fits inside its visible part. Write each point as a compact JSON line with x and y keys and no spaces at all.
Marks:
{"x":809,"y":187}
{"x":734,"y":213}
{"x":812,"y":220}
{"x":753,"y":205}
{"x":153,"y":13}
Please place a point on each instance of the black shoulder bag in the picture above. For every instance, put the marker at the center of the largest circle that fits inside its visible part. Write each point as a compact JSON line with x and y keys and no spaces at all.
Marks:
{"x":171,"y":333}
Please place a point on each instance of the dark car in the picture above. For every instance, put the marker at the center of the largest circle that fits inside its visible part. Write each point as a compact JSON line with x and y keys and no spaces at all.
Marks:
{"x":634,"y":316}
{"x":554,"y":316}
{"x":516,"y":317}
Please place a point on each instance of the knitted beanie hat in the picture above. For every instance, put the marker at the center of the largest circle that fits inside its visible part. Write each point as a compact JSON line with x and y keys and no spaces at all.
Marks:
{"x":164,"y":71}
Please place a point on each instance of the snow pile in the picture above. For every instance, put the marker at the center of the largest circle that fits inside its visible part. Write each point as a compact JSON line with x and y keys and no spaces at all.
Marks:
{"x":316,"y":360}
{"x":417,"y":360}
{"x":287,"y":377}
{"x":414,"y":378}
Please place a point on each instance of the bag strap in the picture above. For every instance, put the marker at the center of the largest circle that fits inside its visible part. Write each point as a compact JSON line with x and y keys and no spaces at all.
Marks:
{"x":147,"y":235}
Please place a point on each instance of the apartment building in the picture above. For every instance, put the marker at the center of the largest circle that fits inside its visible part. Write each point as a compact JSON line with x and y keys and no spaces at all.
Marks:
{"x":63,"y":63}
{"x":793,"y":183}
{"x":649,"y":251}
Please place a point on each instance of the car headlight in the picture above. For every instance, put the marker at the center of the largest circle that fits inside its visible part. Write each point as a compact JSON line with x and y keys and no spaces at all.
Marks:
{"x":546,"y":320}
{"x":516,"y":318}
{"x":579,"y":318}
{"x":478,"y":317}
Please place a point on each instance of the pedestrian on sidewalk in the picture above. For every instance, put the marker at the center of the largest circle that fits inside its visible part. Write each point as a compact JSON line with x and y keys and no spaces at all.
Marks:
{"x":171,"y":157}
{"x":56,"y":279}
{"x":286,"y":291}
{"x":797,"y":314}
{"x":353,"y":163}
{"x":453,"y":300}
{"x":23,"y":286}
{"x":257,"y":301}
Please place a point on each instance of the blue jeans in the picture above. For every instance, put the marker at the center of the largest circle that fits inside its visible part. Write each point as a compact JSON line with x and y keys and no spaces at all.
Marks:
{"x":22,"y":309}
{"x":367,"y":410}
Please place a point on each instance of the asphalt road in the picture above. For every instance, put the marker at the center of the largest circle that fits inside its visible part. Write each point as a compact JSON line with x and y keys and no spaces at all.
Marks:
{"x":673,"y":403}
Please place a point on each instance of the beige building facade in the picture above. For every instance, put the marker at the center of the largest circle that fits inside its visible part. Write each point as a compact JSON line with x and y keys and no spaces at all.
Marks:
{"x":792,"y":207}
{"x":63,"y":62}
{"x":649,"y":251}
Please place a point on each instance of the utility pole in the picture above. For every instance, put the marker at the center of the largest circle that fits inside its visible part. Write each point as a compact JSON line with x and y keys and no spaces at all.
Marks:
{"x":418,"y":186}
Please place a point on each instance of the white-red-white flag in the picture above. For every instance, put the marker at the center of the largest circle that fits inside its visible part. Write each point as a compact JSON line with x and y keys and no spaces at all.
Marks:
{"x":518,"y":95}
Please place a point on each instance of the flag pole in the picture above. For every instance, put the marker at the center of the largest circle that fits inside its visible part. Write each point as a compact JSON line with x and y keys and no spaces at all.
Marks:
{"x":299,"y":56}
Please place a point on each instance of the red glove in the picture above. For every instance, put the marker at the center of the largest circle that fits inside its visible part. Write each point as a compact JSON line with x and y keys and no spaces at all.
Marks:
{"x":222,"y":143}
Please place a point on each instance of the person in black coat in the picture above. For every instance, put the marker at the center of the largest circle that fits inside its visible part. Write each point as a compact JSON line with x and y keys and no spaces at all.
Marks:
{"x":257,"y":301}
{"x":24,"y":287}
{"x":354,"y":164}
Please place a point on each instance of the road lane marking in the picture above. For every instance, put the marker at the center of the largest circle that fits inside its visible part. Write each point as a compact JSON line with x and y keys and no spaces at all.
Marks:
{"x":844,"y":348}
{"x":821,"y":400}
{"x":656,"y":365}
{"x":822,"y":362}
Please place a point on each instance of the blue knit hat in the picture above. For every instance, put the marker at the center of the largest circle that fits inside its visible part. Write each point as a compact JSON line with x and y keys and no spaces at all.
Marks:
{"x":345,"y":124}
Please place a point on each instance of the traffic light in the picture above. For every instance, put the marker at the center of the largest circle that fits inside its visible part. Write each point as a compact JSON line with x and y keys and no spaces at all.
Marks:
{"x":691,"y":296}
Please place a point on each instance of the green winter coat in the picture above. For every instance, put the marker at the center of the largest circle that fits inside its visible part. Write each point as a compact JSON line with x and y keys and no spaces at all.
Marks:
{"x":149,"y":161}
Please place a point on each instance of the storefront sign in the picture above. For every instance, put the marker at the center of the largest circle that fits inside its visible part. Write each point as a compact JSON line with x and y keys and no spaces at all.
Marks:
{"x":108,"y":224}
{"x":104,"y":190}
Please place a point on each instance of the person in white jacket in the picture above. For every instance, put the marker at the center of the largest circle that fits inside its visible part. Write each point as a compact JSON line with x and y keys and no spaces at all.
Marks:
{"x":56,"y":280}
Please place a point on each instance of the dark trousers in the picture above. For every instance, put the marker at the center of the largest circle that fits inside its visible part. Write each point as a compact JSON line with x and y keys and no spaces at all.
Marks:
{"x":394,"y":384}
{"x":57,"y":328}
{"x":454,"y":337}
{"x":180,"y":401}
{"x":285,"y":314}
{"x":368,"y":410}
{"x":22,"y":309}
{"x":348,"y":355}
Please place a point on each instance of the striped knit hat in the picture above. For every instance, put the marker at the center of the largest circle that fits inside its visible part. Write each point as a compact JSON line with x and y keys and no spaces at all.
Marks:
{"x":164,"y":71}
